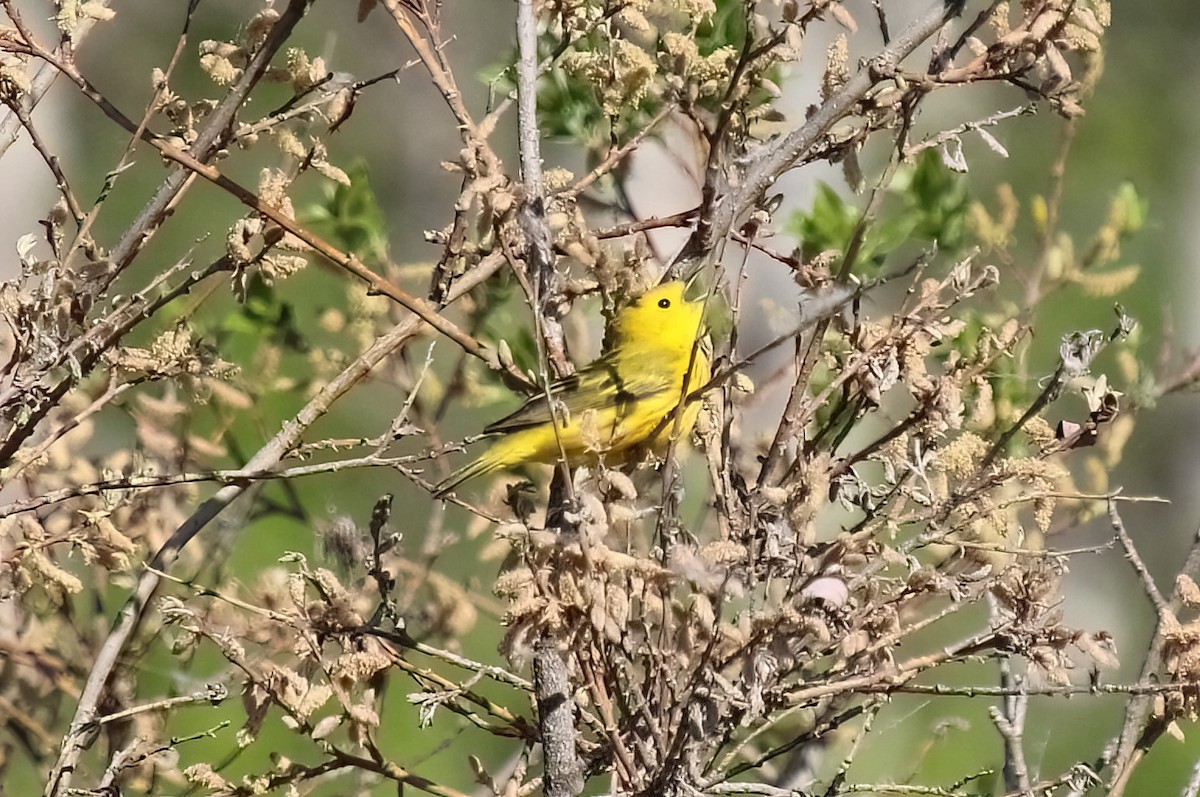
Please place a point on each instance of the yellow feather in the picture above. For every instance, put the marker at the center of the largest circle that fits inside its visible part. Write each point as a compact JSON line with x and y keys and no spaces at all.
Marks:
{"x":622,"y":401}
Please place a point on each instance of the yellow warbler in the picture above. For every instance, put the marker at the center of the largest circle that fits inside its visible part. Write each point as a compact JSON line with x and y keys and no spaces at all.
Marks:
{"x":625,"y":399}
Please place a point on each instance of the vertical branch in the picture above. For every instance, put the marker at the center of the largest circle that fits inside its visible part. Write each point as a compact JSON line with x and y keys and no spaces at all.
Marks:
{"x":1010,"y":721}
{"x":539,"y":256}
{"x":539,"y":275}
{"x":527,"y":75}
{"x":552,"y":683}
{"x":556,"y":717}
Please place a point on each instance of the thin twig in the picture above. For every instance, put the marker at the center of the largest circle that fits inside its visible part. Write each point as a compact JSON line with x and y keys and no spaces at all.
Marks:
{"x":966,"y":127}
{"x":44,"y":77}
{"x":771,"y":159}
{"x":1137,"y":733}
{"x":129,"y":619}
{"x":1161,"y":607}
{"x":213,"y":694}
{"x":209,"y":140}
{"x":1010,"y":721}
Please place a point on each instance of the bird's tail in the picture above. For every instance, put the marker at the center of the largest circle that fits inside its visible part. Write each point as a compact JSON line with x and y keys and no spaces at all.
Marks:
{"x":479,"y":467}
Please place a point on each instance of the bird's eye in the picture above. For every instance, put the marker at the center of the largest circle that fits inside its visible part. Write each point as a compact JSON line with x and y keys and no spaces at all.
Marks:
{"x":664,"y":303}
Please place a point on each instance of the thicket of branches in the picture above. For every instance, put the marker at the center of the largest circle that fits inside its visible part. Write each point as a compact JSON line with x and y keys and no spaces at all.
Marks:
{"x":869,"y":516}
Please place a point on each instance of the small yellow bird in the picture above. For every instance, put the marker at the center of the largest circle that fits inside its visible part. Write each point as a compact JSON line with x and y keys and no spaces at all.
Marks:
{"x":623,"y":400}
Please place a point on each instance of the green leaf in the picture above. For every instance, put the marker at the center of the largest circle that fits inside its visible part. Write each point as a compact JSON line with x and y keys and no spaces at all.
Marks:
{"x":724,"y":28}
{"x":350,"y":216}
{"x":829,"y":225}
{"x":939,"y":200}
{"x":264,"y":317}
{"x":1133,"y":207}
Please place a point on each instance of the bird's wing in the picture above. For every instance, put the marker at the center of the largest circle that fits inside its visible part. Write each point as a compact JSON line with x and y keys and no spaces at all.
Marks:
{"x":600,"y":384}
